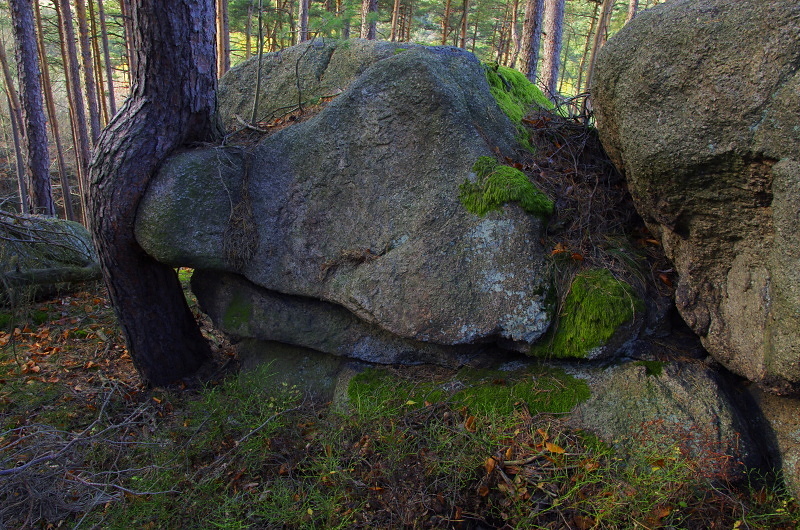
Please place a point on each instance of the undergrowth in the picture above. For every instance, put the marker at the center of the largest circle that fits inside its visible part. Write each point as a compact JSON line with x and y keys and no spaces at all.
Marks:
{"x":84,"y":445}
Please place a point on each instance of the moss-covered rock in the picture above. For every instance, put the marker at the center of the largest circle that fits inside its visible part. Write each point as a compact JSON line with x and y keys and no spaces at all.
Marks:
{"x":497,"y":185}
{"x":596,"y":309}
{"x":514,"y":93}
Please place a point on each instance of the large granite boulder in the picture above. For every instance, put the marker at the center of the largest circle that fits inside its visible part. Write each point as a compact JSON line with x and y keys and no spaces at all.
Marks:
{"x":354,"y":215}
{"x":698,"y":103}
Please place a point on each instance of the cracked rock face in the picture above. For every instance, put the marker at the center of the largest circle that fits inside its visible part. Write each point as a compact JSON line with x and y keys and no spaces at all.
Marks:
{"x":698,"y":103}
{"x":351,"y":219}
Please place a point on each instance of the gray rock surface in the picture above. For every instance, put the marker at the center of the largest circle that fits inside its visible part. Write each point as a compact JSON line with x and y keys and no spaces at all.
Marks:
{"x":685,"y":404}
{"x":698,"y":103}
{"x":358,"y":207}
{"x":782,"y":416}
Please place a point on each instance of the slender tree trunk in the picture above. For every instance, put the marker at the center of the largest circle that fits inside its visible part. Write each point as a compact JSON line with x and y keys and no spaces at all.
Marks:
{"x":172,"y":104}
{"x":368,"y":25}
{"x":98,"y":65}
{"x":341,"y":12}
{"x":112,"y":98}
{"x":80,"y":133}
{"x":38,"y":166}
{"x":586,"y":49}
{"x":514,"y":34}
{"x":531,"y":38}
{"x":223,"y":39}
{"x":409,"y":19}
{"x":553,"y":29}
{"x":14,"y":116}
{"x":633,"y":6}
{"x":599,"y":38}
{"x":51,"y":116}
{"x":127,"y":18}
{"x":464,"y":23}
{"x":302,"y":17}
{"x":395,"y":20}
{"x":248,"y":40}
{"x":446,"y":21}
{"x":88,"y":71}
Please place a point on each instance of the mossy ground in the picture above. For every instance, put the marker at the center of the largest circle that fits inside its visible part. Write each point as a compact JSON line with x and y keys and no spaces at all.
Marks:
{"x":497,"y":185}
{"x":514,"y":93}
{"x":596,"y":306}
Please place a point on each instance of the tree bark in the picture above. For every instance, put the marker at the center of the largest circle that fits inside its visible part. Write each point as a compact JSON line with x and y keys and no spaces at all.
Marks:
{"x":127,"y":18}
{"x":38,"y":166}
{"x":586,"y":49}
{"x":98,"y":66}
{"x":395,"y":20}
{"x":464,"y":23}
{"x":51,"y":116}
{"x":368,"y":25}
{"x":88,"y":71}
{"x":446,"y":21}
{"x":553,"y":29}
{"x":531,"y":38}
{"x":172,"y":105}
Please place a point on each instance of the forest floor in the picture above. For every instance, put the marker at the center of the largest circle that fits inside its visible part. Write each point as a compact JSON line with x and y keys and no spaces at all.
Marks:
{"x":83,"y":444}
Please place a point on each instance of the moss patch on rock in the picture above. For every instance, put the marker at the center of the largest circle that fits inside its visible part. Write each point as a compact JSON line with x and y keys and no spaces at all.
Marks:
{"x":237,"y":315}
{"x":497,"y":185}
{"x":513,"y":92}
{"x":596,"y":306}
{"x":543,"y":389}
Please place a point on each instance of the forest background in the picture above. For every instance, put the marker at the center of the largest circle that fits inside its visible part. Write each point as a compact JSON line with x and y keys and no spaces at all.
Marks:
{"x":82,"y":58}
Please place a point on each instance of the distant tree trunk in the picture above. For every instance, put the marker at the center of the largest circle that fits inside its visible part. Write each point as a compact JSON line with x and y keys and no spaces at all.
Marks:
{"x":599,"y":38}
{"x":15,"y":116}
{"x":368,"y":25}
{"x":88,"y":71}
{"x":112,"y":98}
{"x":127,"y":18}
{"x":80,"y":133}
{"x":515,"y":40}
{"x":98,"y":65}
{"x":553,"y":29}
{"x":248,"y":40}
{"x":52,"y":118}
{"x":341,"y":13}
{"x":22,"y":185}
{"x":633,"y":6}
{"x":223,"y":39}
{"x":409,"y":19}
{"x":302,"y":17}
{"x":464,"y":23}
{"x":586,"y":49}
{"x":531,"y":38}
{"x":172,"y":104}
{"x":446,"y":21}
{"x":395,"y":20}
{"x":38,"y":166}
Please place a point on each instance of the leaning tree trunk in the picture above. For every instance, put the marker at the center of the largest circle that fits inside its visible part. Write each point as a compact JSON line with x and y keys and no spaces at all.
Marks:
{"x":172,"y":104}
{"x":15,"y":116}
{"x":38,"y":167}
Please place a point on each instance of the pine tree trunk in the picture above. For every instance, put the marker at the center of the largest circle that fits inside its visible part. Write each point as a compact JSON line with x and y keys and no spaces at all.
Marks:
{"x":248,"y":29}
{"x":98,"y":66}
{"x":302,"y":17}
{"x":514,"y":34}
{"x":112,"y":98}
{"x":368,"y":25}
{"x":446,"y":21}
{"x":464,"y":23}
{"x":172,"y":104}
{"x":553,"y":30}
{"x":599,"y":38}
{"x":80,"y":133}
{"x":633,"y":6}
{"x":88,"y":71}
{"x":15,"y":116}
{"x":38,"y":166}
{"x":52,"y":118}
{"x":531,"y":38}
{"x":127,"y":18}
{"x":395,"y":20}
{"x":586,"y":49}
{"x":223,"y":39}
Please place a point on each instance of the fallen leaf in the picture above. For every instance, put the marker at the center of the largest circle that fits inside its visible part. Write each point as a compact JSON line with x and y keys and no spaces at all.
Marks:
{"x":553,"y":448}
{"x":483,"y":490}
{"x":469,"y":424}
{"x":490,"y":464}
{"x":583,"y":523}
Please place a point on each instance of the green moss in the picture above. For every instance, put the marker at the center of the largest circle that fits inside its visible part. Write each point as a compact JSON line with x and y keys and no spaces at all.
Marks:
{"x":652,"y":368}
{"x":496,"y":185}
{"x":548,"y":390}
{"x":596,"y":306}
{"x":377,"y":392}
{"x":514,"y":93}
{"x":237,"y":315}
